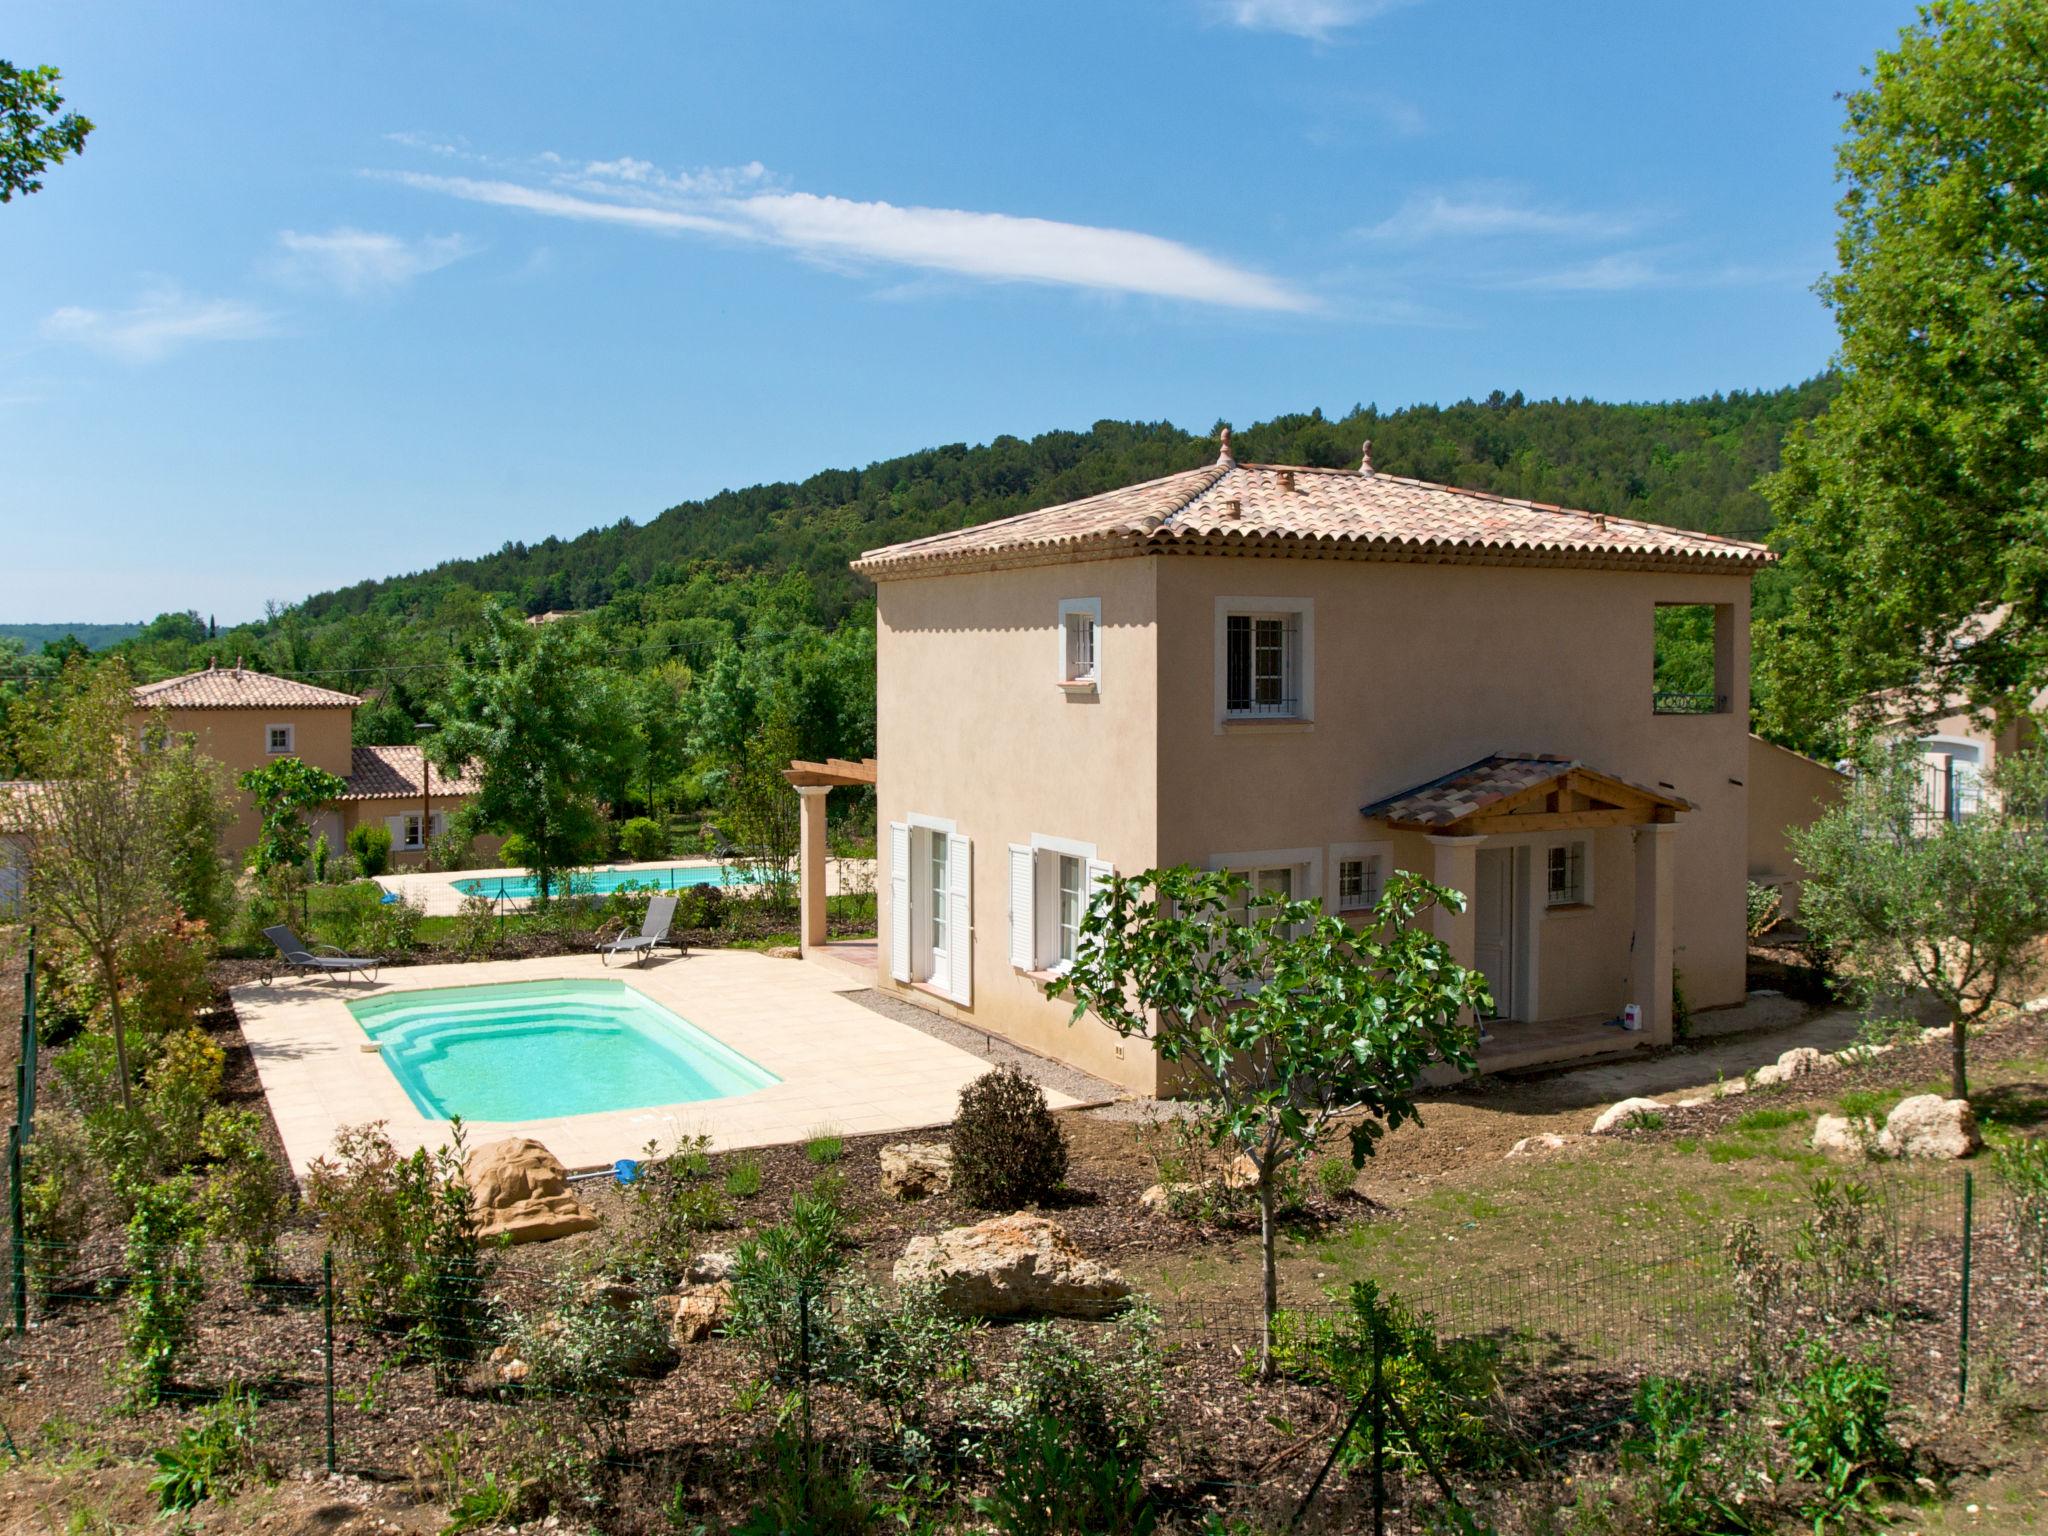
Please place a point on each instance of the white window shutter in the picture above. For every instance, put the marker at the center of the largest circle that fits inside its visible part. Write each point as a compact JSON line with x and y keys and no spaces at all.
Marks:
{"x":396,"y":824}
{"x":1023,"y":920}
{"x":1099,"y":876}
{"x":899,"y":900}
{"x":959,"y":918}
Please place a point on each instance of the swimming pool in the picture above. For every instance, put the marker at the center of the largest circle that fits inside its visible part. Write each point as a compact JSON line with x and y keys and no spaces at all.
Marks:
{"x":602,"y":882}
{"x":535,"y":1050}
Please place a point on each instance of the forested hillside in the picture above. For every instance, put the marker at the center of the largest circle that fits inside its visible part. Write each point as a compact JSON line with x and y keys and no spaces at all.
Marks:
{"x":736,"y":620}
{"x":1692,"y":463}
{"x":94,"y":637}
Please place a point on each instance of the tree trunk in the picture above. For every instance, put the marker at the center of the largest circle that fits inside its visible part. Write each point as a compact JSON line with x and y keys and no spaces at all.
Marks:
{"x":111,"y":979}
{"x":1268,"y":1237}
{"x":1958,"y":1057}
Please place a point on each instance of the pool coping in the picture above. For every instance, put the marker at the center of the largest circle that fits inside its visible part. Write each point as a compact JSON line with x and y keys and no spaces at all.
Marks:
{"x":841,"y":1066}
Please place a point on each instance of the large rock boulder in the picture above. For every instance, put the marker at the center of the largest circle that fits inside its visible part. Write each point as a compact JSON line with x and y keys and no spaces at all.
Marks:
{"x":520,"y":1191}
{"x":1542,"y":1144}
{"x":916,"y":1170}
{"x":696,"y":1312}
{"x":1842,"y":1136}
{"x":1172,"y":1199}
{"x":1012,"y":1266}
{"x":1622,"y":1116}
{"x":1927,"y":1125}
{"x":1800,"y":1060}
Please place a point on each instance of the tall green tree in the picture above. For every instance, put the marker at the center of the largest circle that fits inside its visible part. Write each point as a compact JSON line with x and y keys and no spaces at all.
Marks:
{"x":1906,"y":900}
{"x":1912,"y":511}
{"x":1283,"y":1018}
{"x":542,"y":718}
{"x":35,"y":130}
{"x":287,"y":791}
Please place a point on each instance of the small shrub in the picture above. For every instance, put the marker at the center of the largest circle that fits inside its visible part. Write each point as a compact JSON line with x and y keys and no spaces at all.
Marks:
{"x":1836,"y":1418}
{"x":1047,"y":1484}
{"x":1758,"y":1277}
{"x":1008,"y":1151}
{"x":207,"y":1456}
{"x":643,"y":840}
{"x":1447,"y":1388}
{"x":475,"y":932}
{"x":586,"y":1345}
{"x":2022,"y":1164}
{"x":1686,"y":1482}
{"x":56,"y":1196}
{"x":668,"y":1204}
{"x":165,"y":1282}
{"x":782,"y":1279}
{"x":370,"y":842}
{"x":1334,"y":1177}
{"x":1764,"y":904}
{"x":743,"y":1176}
{"x":243,"y":1197}
{"x":1105,"y":1390}
{"x":894,"y":1351}
{"x":825,"y":1148}
{"x":1841,"y":1248}
{"x":356,"y":1195}
{"x":179,"y":1088}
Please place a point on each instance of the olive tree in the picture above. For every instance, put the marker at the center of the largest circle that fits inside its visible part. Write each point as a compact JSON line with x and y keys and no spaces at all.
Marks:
{"x":1286,"y":1021}
{"x":1905,"y":899}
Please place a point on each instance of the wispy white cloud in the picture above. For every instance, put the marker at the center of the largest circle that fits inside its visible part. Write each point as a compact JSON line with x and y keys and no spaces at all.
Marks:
{"x":1620,"y":271}
{"x":1496,"y":213}
{"x":745,"y":203}
{"x":1316,"y":20}
{"x":364,"y":263}
{"x":162,"y":321}
{"x":1612,"y":273}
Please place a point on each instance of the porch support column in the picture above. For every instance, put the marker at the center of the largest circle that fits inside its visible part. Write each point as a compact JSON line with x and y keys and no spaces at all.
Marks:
{"x":1650,"y":961}
{"x":810,"y":864}
{"x":1456,"y":864}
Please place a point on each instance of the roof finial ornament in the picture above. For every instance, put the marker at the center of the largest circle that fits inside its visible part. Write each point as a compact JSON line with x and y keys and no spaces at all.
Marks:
{"x":1225,"y":456}
{"x":1365,"y":459}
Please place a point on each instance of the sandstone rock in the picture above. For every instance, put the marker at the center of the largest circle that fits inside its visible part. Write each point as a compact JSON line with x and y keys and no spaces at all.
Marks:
{"x":1799,"y":1061}
{"x":1242,"y":1173}
{"x":1170,"y":1199}
{"x":505,"y":1364}
{"x":1840,"y":1136}
{"x":1733,"y":1086}
{"x":1539,"y":1146}
{"x":1012,"y":1266}
{"x":710,"y":1267}
{"x":1927,"y":1125}
{"x":616,"y":1294}
{"x":1617,"y":1117}
{"x":914,"y":1170}
{"x":520,"y":1191}
{"x":695,"y":1313}
{"x":1692,"y":1103}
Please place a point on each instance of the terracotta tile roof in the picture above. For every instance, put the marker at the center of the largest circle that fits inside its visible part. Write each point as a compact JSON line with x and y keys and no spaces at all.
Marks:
{"x":238,"y":688}
{"x":388,"y":773}
{"x":1466,"y":791}
{"x":1228,"y":507}
{"x":15,"y":798}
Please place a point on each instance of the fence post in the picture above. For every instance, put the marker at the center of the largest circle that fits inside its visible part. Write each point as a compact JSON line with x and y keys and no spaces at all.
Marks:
{"x":17,"y":1224}
{"x":327,"y":1309}
{"x":1963,"y":1337}
{"x":1379,"y":1433}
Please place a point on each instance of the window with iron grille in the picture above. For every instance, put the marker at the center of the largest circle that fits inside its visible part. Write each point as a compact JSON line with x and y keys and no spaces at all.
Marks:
{"x":1358,"y":884}
{"x":1261,"y":657}
{"x":1565,"y":883}
{"x":1080,"y":639}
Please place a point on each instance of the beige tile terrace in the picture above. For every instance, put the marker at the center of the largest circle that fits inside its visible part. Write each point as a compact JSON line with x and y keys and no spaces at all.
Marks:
{"x":840,"y":1065}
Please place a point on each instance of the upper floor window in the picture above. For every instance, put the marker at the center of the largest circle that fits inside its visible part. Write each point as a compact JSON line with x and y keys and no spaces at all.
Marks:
{"x":1565,"y":876}
{"x":1265,"y":659}
{"x":1080,"y":641}
{"x":1693,"y":659}
{"x":277,"y":740}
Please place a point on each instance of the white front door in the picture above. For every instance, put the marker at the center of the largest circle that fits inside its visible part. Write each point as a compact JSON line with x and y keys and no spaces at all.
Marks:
{"x":1493,"y":917}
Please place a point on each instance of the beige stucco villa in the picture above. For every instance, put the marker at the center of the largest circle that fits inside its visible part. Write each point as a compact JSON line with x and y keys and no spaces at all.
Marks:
{"x":244,"y":719}
{"x":1314,"y":677}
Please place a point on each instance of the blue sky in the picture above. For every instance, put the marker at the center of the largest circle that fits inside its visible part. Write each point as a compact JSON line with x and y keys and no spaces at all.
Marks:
{"x":338,"y":291}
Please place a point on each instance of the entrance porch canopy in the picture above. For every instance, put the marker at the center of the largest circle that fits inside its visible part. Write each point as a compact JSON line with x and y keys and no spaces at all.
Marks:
{"x":1523,"y":792}
{"x":1509,"y":793}
{"x":813,"y":782}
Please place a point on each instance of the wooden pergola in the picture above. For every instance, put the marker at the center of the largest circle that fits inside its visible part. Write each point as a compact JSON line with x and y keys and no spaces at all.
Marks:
{"x":813,"y":782}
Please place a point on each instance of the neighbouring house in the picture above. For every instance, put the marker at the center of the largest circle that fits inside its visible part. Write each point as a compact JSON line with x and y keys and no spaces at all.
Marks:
{"x":14,"y":841}
{"x":1314,"y":677}
{"x":1787,"y":790}
{"x":245,"y":719}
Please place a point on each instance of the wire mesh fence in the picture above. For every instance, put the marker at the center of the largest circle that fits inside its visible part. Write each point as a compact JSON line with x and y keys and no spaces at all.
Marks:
{"x":1943,"y":1275}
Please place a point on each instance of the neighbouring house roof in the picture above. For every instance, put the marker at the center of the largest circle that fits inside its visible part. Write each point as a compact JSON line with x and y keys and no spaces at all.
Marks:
{"x":1535,"y":791}
{"x":15,"y":798}
{"x":237,"y":688}
{"x":395,"y":773}
{"x":1272,"y":509}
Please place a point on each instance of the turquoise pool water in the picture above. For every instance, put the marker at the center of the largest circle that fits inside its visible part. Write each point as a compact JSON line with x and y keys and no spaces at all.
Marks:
{"x":533,"y":1050}
{"x":602,"y":882}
